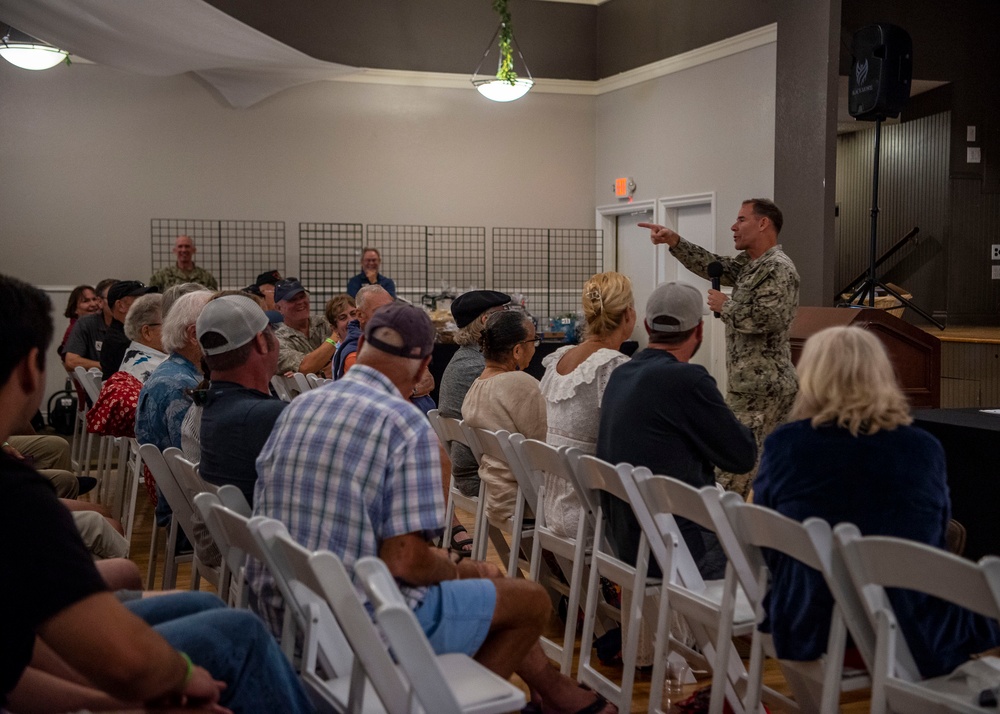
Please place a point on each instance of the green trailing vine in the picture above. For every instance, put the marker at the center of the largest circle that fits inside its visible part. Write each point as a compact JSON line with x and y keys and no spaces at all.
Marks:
{"x":506,"y":70}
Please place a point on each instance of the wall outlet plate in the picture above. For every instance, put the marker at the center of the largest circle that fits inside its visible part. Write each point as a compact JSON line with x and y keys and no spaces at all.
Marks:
{"x":995,"y":251}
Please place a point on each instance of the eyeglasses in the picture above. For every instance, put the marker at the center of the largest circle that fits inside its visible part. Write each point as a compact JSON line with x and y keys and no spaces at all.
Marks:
{"x":536,"y":340}
{"x":153,"y":324}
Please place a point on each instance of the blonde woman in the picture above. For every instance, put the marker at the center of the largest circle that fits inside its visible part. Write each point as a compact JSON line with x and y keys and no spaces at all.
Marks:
{"x":851,"y":455}
{"x":574,"y":382}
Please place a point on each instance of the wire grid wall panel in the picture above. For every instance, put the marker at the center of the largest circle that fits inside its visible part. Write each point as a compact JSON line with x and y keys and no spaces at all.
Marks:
{"x":329,"y":255}
{"x":547,"y":266}
{"x":235,"y":252}
{"x":426,"y":260}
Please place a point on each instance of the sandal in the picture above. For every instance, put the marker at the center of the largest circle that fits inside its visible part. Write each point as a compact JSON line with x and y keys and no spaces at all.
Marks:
{"x":462,"y":547}
{"x":596,"y":706}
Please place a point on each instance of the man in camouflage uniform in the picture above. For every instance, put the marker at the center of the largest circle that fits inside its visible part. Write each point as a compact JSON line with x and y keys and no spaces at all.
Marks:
{"x":758,"y":315}
{"x":185,"y":271}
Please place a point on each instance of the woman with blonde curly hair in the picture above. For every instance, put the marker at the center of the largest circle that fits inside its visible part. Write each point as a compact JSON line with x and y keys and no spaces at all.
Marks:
{"x":574,"y":382}
{"x":852,"y":455}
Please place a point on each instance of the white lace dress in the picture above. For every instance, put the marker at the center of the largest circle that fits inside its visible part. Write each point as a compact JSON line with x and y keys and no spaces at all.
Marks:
{"x":573,"y":407}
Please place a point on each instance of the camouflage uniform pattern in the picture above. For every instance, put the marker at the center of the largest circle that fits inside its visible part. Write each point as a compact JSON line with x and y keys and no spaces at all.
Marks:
{"x":168,"y":277}
{"x":294,"y":346}
{"x":758,"y":316}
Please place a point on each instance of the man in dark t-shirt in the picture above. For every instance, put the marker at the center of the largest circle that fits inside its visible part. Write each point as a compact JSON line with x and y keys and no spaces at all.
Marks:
{"x":121,"y":295}
{"x":239,"y":413}
{"x":663,"y":413}
{"x":83,"y":346}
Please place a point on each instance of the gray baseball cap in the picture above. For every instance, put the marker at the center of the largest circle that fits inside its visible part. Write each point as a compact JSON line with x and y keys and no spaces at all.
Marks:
{"x":675,"y":307}
{"x":238,"y":319}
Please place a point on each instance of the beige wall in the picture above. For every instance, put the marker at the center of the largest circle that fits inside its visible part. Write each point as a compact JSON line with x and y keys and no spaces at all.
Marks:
{"x":98,"y":153}
{"x":708,"y":128}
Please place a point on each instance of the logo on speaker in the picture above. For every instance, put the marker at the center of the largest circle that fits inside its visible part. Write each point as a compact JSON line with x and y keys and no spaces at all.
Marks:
{"x":861,"y":72}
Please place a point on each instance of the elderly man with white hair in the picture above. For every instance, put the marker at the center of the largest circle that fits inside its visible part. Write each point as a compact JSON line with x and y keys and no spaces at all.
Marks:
{"x":163,"y":401}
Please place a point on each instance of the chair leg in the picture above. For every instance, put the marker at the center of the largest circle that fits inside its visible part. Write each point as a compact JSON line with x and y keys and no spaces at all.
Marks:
{"x":153,"y":551}
{"x":170,"y":560}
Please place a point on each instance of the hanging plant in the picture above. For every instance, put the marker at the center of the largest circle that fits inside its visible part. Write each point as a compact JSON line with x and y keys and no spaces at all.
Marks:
{"x":505,"y":71}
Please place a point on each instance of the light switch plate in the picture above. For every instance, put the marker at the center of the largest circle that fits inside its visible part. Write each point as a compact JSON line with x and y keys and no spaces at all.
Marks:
{"x":970,"y":133}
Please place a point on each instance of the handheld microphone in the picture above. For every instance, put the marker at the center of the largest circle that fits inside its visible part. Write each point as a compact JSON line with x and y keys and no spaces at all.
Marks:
{"x":715,"y":271}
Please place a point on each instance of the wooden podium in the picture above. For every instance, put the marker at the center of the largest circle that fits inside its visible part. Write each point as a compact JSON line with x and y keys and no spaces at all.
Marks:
{"x":915,"y":354}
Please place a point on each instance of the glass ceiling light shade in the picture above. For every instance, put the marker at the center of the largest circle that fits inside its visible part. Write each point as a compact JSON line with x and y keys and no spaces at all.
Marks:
{"x":506,"y":86}
{"x":30,"y":53}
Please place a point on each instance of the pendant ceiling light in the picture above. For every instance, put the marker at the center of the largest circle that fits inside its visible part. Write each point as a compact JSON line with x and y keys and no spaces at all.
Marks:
{"x":28,"y":53}
{"x":506,"y":86}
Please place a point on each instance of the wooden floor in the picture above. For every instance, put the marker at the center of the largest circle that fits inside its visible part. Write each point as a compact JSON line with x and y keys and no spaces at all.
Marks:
{"x":142,"y":533}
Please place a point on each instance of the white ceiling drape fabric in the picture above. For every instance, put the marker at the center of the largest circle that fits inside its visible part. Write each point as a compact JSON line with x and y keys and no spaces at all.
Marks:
{"x":168,"y":37}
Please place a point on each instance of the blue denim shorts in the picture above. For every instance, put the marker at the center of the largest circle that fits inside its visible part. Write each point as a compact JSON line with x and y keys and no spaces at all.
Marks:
{"x":456,"y":615}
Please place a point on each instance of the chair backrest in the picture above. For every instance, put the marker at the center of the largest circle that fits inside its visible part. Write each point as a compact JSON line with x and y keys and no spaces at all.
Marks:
{"x":589,"y":475}
{"x":407,"y":639}
{"x":229,"y":530}
{"x":878,"y":562}
{"x":448,"y":429}
{"x":536,"y":459}
{"x":655,"y":501}
{"x":179,"y":502}
{"x":281,"y":388}
{"x":324,"y":573}
{"x":316,"y":381}
{"x":90,"y":381}
{"x":496,"y":444}
{"x":302,"y":382}
{"x":233,"y":499}
{"x":285,"y":560}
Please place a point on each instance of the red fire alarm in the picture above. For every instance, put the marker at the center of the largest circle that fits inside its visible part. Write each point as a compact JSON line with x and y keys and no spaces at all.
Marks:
{"x":624,"y":187}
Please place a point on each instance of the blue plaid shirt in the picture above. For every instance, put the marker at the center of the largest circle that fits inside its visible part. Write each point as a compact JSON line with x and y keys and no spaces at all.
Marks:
{"x":348,"y":465}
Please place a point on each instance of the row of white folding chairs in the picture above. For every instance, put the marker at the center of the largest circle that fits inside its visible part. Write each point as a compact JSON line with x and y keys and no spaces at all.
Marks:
{"x":857,"y":570}
{"x":528,"y":460}
{"x":344,"y":663}
{"x":287,"y":388}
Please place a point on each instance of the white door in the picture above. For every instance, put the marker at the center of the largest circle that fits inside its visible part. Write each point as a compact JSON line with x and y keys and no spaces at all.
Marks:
{"x":634,"y":258}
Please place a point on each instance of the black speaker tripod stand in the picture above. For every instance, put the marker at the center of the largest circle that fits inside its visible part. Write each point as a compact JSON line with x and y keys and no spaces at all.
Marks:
{"x":867,"y":288}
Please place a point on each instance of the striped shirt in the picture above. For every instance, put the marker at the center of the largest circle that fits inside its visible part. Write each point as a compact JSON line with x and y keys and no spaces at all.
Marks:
{"x":348,"y":465}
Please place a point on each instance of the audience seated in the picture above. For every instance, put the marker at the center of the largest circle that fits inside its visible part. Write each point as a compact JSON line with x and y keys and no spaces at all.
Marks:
{"x":470,"y":311}
{"x":68,"y":644}
{"x":339,"y":311}
{"x":851,"y":455}
{"x":505,"y":397}
{"x":664,"y":413}
{"x":574,"y":383}
{"x":307,"y":342}
{"x":238,"y":413}
{"x":83,"y":347}
{"x":163,"y":400}
{"x":353,"y":468}
{"x":121,"y":295}
{"x":265,"y":286}
{"x":83,"y":301}
{"x":50,"y":456}
{"x":144,"y":327}
{"x":369,"y":299}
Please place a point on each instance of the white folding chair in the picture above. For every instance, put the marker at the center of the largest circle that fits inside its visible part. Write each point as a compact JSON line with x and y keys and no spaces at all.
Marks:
{"x":153,"y":459}
{"x":316,"y":381}
{"x":572,"y":553}
{"x":594,"y":476}
{"x":450,"y":431}
{"x":878,"y":562}
{"x":90,"y":383}
{"x":80,"y":435}
{"x":816,"y":685}
{"x":190,"y":483}
{"x":714,"y":610}
{"x":281,"y":388}
{"x":438,"y":683}
{"x":302,"y":383}
{"x":226,"y":513}
{"x":496,"y":444}
{"x":328,"y":666}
